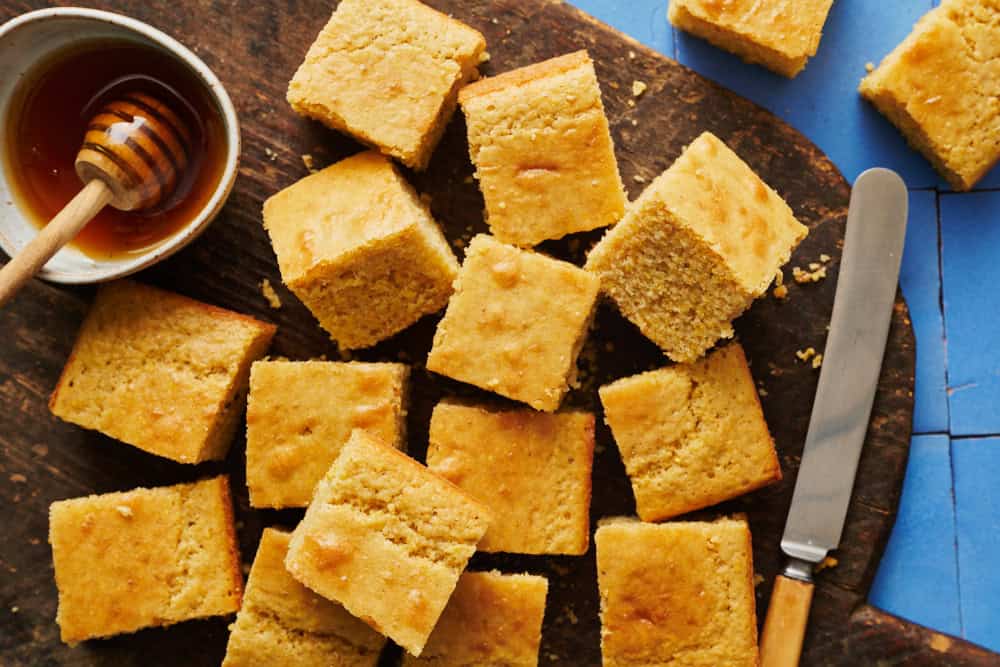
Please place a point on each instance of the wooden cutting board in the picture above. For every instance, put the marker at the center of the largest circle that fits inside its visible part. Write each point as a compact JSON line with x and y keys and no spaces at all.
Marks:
{"x":254,"y":47}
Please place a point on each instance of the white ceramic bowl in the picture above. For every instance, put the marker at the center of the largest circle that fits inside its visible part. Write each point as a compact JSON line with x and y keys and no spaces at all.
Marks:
{"x":29,"y":39}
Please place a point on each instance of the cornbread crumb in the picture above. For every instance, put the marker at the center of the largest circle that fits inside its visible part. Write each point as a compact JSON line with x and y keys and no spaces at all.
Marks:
{"x":531,"y":469}
{"x":491,"y":619}
{"x":806,"y":354}
{"x":271,"y":155}
{"x":300,"y":413}
{"x":515,"y":324}
{"x":702,"y":242}
{"x":638,"y":88}
{"x":779,"y":34}
{"x":171,"y":557}
{"x":386,"y":538}
{"x":812,"y":276}
{"x":941,"y":88}
{"x":780,"y":292}
{"x":691,"y":435}
{"x":827,"y":563}
{"x":638,"y":178}
{"x":678,"y":593}
{"x":869,"y":67}
{"x":817,"y":361}
{"x":757,"y":580}
{"x":359,"y":248}
{"x":161,"y":372}
{"x":542,"y":149}
{"x":283,"y":623}
{"x":269,"y":294}
{"x":388,"y":72}
{"x":310,"y":163}
{"x":824,"y":258}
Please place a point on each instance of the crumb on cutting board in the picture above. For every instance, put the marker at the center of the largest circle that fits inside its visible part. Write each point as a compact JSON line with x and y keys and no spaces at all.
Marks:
{"x":638,"y":88}
{"x":268,"y":291}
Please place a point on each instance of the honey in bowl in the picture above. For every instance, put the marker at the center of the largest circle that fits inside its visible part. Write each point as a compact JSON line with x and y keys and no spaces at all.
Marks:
{"x":50,"y":113}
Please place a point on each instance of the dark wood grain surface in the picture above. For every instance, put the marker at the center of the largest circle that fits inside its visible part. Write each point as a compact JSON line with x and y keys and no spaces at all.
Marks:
{"x":254,"y":47}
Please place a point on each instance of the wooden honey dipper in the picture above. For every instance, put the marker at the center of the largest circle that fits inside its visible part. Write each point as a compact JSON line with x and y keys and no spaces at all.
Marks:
{"x":133,"y":154}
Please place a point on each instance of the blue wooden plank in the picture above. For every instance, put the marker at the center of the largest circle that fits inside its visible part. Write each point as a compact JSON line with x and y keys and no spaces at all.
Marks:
{"x":920,"y":278}
{"x":918,"y":576}
{"x":822,"y":101}
{"x":644,"y":20}
{"x":970,"y":248}
{"x":977,"y":523}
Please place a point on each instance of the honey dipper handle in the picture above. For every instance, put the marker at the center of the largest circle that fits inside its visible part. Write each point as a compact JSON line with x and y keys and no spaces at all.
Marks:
{"x":785,"y":625}
{"x":60,"y":231}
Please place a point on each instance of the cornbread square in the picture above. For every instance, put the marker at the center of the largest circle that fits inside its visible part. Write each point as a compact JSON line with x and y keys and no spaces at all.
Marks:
{"x":678,"y":594}
{"x":491,"y":619}
{"x":161,"y":372}
{"x":781,"y":35}
{"x":386,"y":538}
{"x":388,"y":72}
{"x":143,"y":558}
{"x":284,"y":624}
{"x":532,"y":469}
{"x":704,"y":240}
{"x":544,"y":158}
{"x":515,"y":324}
{"x":359,"y":248}
{"x":300,"y":413}
{"x":941,"y":88}
{"x":691,"y":435}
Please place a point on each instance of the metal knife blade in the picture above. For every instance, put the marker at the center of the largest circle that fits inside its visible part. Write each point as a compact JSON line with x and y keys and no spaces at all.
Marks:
{"x":852,"y":361}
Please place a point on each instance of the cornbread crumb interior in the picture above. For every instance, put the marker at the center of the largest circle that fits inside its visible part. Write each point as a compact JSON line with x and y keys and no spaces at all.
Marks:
{"x":692,"y":253}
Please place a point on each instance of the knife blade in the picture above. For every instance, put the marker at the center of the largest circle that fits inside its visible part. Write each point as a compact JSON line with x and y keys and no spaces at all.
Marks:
{"x":852,"y":362}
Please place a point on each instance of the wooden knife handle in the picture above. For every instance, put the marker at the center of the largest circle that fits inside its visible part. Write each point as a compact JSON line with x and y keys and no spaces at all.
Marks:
{"x":785,"y":625}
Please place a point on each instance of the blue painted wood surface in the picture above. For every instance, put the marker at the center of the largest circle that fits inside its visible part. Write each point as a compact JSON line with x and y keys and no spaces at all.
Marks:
{"x":958,"y":347}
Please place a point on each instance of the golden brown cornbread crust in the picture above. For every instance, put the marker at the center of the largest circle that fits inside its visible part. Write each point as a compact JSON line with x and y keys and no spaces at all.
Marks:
{"x":532,"y":469}
{"x":941,"y":88}
{"x":522,"y":75}
{"x":492,"y":620}
{"x":701,"y":242}
{"x":356,"y":244}
{"x":691,"y":435}
{"x":408,"y":59}
{"x":160,"y":371}
{"x":676,"y":594}
{"x":386,"y":538}
{"x":515,"y":324}
{"x":779,"y":34}
{"x":284,"y":624}
{"x":541,"y":144}
{"x":145,"y":557}
{"x":300,"y":413}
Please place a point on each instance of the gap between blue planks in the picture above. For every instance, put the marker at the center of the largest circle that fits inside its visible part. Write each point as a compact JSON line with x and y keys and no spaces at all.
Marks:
{"x":970,"y":259}
{"x":977,"y":525}
{"x":918,"y":576}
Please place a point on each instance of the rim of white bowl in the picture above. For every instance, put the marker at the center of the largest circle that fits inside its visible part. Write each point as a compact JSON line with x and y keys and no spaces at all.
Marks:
{"x":233,"y":144}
